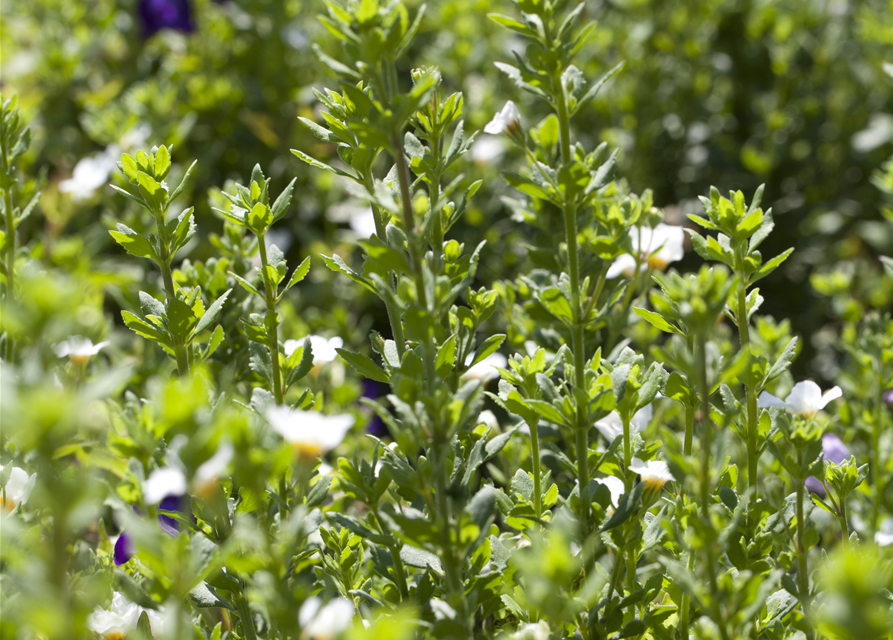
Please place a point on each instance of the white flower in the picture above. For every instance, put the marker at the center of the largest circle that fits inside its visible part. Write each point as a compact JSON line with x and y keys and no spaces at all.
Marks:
{"x":534,"y":631}
{"x":122,"y":618}
{"x":488,"y":418}
{"x":508,"y":118}
{"x":656,"y":247}
{"x":485,"y":370}
{"x":884,"y":535}
{"x":18,"y":488}
{"x":615,"y":486}
{"x":324,"y":349}
{"x":654,"y":473}
{"x":321,"y":622}
{"x":135,"y":138}
{"x":486,"y":150}
{"x":611,"y":425}
{"x":204,"y":482}
{"x":805,"y":399}
{"x":167,"y":481}
{"x":309,"y":432}
{"x":363,"y":223}
{"x":88,"y":175}
{"x":79,"y":349}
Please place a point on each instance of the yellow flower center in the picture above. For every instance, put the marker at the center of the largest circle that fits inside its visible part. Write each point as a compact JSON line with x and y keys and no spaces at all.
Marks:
{"x":657,"y":263}
{"x":307,"y":450}
{"x":113,"y":635}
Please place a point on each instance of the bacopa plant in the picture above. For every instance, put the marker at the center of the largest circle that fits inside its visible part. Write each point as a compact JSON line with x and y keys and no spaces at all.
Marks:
{"x":598,"y":446}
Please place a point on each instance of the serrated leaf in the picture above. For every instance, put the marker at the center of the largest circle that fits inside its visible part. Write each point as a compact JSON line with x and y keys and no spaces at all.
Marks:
{"x":656,"y":320}
{"x":363,"y":365}
{"x":211,"y":314}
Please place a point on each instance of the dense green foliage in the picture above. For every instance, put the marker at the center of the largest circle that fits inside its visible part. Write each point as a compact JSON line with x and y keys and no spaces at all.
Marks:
{"x":299,"y":340}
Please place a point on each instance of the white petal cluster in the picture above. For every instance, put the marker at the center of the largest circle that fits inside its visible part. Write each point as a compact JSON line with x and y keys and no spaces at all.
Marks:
{"x":18,"y":488}
{"x":485,"y":370}
{"x":611,"y":426}
{"x":78,"y":348}
{"x":654,"y":473}
{"x":122,"y":618}
{"x":311,"y":433}
{"x":656,"y":248}
{"x":324,"y":349}
{"x":89,"y":174}
{"x":615,"y":486}
{"x":171,"y":480}
{"x":884,"y":535}
{"x":505,"y":119}
{"x":322,"y":622}
{"x":806,"y":399}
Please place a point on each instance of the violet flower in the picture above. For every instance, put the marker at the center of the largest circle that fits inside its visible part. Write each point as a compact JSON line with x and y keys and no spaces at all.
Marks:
{"x":834,"y":450}
{"x":165,"y":14}
{"x":124,"y":547}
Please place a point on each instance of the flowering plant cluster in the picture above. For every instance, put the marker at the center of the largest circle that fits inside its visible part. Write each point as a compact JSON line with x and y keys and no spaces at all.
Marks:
{"x":598,"y":445}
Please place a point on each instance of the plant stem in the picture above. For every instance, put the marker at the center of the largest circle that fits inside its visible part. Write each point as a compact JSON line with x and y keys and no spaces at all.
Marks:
{"x":628,"y":485}
{"x":744,"y":333}
{"x":272,"y":331}
{"x":393,"y":312}
{"x":535,"y":453}
{"x":844,"y":526}
{"x":11,"y":248}
{"x":686,"y":449}
{"x":803,"y":575}
{"x":577,"y":335}
{"x":245,"y":615}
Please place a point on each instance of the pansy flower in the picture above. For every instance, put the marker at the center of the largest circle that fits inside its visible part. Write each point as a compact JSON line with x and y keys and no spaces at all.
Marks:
{"x":165,"y":14}
{"x":806,"y":399}
{"x":834,"y":450}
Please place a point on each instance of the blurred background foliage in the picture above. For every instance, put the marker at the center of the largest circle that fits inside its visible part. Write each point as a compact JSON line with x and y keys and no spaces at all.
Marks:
{"x":790,"y":93}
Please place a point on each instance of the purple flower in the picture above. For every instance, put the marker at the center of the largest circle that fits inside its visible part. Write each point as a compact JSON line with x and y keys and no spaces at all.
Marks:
{"x":124,"y":547}
{"x":834,"y":450}
{"x":165,"y":14}
{"x":374,"y":390}
{"x":888,"y":396}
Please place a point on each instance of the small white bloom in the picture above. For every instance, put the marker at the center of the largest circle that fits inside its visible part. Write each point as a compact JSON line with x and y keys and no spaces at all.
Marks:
{"x":485,"y":370}
{"x":611,"y":425}
{"x":204,"y":481}
{"x":486,"y":150}
{"x":167,"y":481}
{"x":324,"y":349}
{"x":654,"y":473}
{"x":615,"y":486}
{"x":656,"y":247}
{"x":884,"y":535}
{"x":488,"y":418}
{"x":122,"y":618}
{"x":805,"y":399}
{"x":136,"y":137}
{"x":88,"y":175}
{"x":322,"y":622}
{"x":534,"y":631}
{"x":18,"y":488}
{"x":78,"y":349}
{"x":507,"y":118}
{"x":311,"y":433}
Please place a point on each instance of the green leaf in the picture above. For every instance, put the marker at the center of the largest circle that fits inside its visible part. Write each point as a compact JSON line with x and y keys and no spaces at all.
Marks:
{"x":488,"y":347}
{"x":772,"y":265}
{"x":783,"y":362}
{"x":134,"y":243}
{"x":180,"y":318}
{"x":211,"y":314}
{"x":297,"y":275}
{"x":627,"y":507}
{"x":152,"y":192}
{"x":260,"y":362}
{"x":547,"y":411}
{"x":363,"y":365}
{"x":129,"y":167}
{"x":184,"y":231}
{"x":162,"y":163}
{"x":313,"y":162}
{"x":204,"y":595}
{"x":335,"y":263}
{"x":259,"y":218}
{"x":303,"y":367}
{"x":283,"y":202}
{"x":184,"y":182}
{"x":888,"y":265}
{"x":446,"y":357}
{"x":144,"y":329}
{"x":657,"y":320}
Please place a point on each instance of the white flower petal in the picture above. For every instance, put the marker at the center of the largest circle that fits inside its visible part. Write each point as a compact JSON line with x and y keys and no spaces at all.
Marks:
{"x":611,"y":426}
{"x":830,"y":395}
{"x":767,"y":400}
{"x":215,"y":465}
{"x":653,"y":470}
{"x":804,"y":398}
{"x":162,"y":483}
{"x":624,"y":265}
{"x":310,"y":430}
{"x":504,"y":119}
{"x":484,"y":370}
{"x":615,"y":486}
{"x":19,"y":486}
